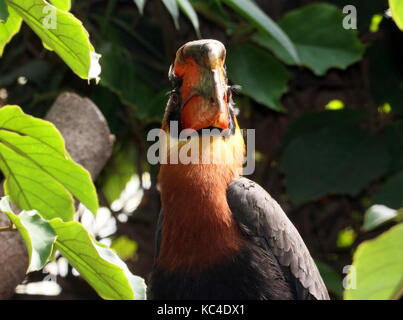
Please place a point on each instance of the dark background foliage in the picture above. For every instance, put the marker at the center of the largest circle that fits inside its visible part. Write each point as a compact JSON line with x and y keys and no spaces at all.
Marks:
{"x":324,"y":166}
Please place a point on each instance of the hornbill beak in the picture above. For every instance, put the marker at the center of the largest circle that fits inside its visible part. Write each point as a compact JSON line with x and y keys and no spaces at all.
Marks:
{"x":200,"y":66}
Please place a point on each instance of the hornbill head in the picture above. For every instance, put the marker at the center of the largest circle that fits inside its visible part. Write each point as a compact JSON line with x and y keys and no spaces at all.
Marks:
{"x":201,"y":97}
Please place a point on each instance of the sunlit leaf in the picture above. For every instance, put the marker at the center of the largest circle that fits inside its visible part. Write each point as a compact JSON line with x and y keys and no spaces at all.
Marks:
{"x":9,"y":29}
{"x":377,"y":215}
{"x":39,"y":172}
{"x":264,"y":23}
{"x":316,"y":49}
{"x":396,"y":6}
{"x":62,"y":4}
{"x":62,"y":32}
{"x":125,"y":247}
{"x":37,"y":234}
{"x":188,"y":10}
{"x":96,"y":263}
{"x":378,"y":266}
{"x":346,"y":238}
{"x":261,"y":76}
{"x":335,"y":105}
{"x":173,"y":10}
{"x":375,"y":22}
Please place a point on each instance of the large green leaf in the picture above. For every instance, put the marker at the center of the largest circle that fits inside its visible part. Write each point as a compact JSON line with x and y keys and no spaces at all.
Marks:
{"x":397,"y":12}
{"x":255,"y":15}
{"x":97,"y":264}
{"x":261,"y":76}
{"x":391,"y":193}
{"x":121,"y":75}
{"x":3,"y":11}
{"x":379,"y":267}
{"x":62,"y":4}
{"x":311,"y":122}
{"x":378,"y":215}
{"x":39,"y":172}
{"x":37,"y":233}
{"x":316,"y":48}
{"x":65,"y":35}
{"x":173,"y":10}
{"x":188,"y":10}
{"x":9,"y":29}
{"x":332,"y":161}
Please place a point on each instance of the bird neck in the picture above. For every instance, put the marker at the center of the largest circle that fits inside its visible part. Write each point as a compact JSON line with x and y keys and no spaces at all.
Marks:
{"x":198,"y":227}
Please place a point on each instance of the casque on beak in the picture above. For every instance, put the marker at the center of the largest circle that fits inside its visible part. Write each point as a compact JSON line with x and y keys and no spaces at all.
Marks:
{"x":201,"y":67}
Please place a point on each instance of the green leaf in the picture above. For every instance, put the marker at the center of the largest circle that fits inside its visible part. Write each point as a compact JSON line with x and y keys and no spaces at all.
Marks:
{"x":316,"y":49}
{"x":255,"y":15}
{"x":331,"y":278}
{"x":365,"y":10}
{"x":140,"y":5}
{"x":39,"y":172}
{"x":62,"y":32}
{"x":3,"y":11}
{"x":378,"y":215}
{"x":261,"y":76}
{"x":332,"y":161}
{"x":9,"y":29}
{"x":188,"y":10}
{"x":391,"y":193}
{"x":396,"y":6}
{"x":97,"y":264}
{"x":124,"y":247}
{"x":311,"y":122}
{"x":37,"y":234}
{"x":173,"y":10}
{"x":118,"y":172}
{"x":121,"y":75}
{"x":379,"y":264}
{"x":346,"y":238}
{"x":64,"y":5}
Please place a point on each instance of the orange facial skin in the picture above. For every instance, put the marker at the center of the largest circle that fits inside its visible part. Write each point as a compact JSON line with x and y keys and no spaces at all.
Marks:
{"x":203,"y":90}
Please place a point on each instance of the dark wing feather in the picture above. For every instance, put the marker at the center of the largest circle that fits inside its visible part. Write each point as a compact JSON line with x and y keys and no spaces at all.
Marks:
{"x":270,"y":228}
{"x":158,"y":231}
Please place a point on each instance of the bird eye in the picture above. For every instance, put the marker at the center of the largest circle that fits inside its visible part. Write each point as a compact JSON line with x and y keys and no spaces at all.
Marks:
{"x":174,"y":97}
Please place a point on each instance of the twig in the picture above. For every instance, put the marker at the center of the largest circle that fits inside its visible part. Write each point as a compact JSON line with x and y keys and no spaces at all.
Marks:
{"x":8,"y":228}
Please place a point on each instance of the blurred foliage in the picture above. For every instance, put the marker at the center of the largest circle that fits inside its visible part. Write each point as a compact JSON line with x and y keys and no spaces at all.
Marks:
{"x":124,"y":247}
{"x":378,"y":264}
{"x":326,"y":103}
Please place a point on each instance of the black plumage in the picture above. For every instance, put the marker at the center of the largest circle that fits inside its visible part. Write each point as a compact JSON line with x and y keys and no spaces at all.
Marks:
{"x":275,"y":263}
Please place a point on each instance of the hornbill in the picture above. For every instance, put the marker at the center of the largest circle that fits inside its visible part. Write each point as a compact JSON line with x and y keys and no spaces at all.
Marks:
{"x":220,"y":235}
